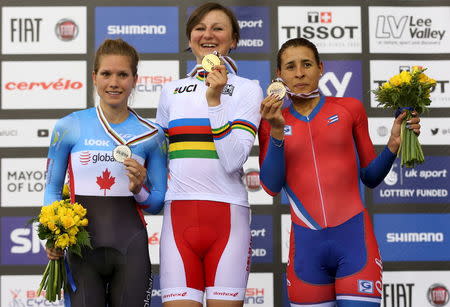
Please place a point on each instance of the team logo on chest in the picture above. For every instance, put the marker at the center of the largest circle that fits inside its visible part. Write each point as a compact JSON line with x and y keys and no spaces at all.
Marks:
{"x":287,"y":130}
{"x":332,"y":119}
{"x":228,"y":89}
{"x":185,"y":89}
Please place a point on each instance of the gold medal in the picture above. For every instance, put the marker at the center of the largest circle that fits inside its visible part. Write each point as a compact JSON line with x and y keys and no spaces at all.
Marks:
{"x":277,"y":88}
{"x":121,"y":152}
{"x":209,"y":61}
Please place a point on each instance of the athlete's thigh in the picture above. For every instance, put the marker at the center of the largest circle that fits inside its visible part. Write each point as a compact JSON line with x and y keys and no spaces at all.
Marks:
{"x":365,"y":285}
{"x":181,"y":270}
{"x":90,"y":287}
{"x":131,"y":284}
{"x":307,"y":282}
{"x":227,"y":264}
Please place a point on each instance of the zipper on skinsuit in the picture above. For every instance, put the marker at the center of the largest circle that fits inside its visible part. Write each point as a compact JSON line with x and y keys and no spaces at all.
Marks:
{"x":317,"y":173}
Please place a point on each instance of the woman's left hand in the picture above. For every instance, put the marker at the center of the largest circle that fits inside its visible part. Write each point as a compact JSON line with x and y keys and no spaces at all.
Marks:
{"x":136,"y":173}
{"x":216,"y":80}
{"x":412,"y":124}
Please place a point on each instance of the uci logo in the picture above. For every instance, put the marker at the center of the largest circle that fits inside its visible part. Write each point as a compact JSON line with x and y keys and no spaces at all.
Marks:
{"x":187,"y":89}
{"x":365,"y":286}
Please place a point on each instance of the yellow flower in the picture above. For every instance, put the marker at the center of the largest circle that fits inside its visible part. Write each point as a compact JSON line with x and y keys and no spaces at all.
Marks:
{"x":405,"y":76}
{"x":73,"y":231}
{"x":84,"y":222}
{"x":395,"y":80}
{"x":386,"y":85}
{"x":52,"y":226}
{"x":66,"y":191}
{"x":62,"y":241}
{"x":67,"y":221}
{"x":79,"y":210}
{"x":72,"y":240}
{"x":43,"y":220}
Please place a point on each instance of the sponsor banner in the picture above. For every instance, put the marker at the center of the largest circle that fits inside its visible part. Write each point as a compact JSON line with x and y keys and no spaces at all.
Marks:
{"x":333,"y":29}
{"x":342,"y":79}
{"x":416,"y":288}
{"x":285,"y":233}
{"x":258,"y":71}
{"x":381,"y":71}
{"x":409,"y":29}
{"x":434,"y":131}
{"x":23,"y":182}
{"x":154,"y":226}
{"x":413,"y":237}
{"x":45,"y":85}
{"x":254,"y":27}
{"x":26,"y":132}
{"x":21,"y":290}
{"x":152,"y":75}
{"x":259,"y":290}
{"x":261,"y":229}
{"x":44,"y":30}
{"x":428,"y":183}
{"x":20,"y":244}
{"x":149,"y":29}
{"x":256,"y":194}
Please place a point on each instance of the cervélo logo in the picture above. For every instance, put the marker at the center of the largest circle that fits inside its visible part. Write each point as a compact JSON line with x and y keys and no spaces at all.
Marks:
{"x":45,"y":85}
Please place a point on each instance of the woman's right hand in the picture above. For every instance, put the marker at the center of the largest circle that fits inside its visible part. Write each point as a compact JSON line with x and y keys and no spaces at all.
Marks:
{"x":54,"y":253}
{"x":271,"y":111}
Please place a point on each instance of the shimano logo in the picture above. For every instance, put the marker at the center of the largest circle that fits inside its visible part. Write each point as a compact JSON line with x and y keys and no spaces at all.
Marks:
{"x":137,"y":29}
{"x":395,"y":237}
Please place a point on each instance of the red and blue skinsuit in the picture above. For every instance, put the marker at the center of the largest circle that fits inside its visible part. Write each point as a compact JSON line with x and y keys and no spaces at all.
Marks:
{"x":333,"y":254}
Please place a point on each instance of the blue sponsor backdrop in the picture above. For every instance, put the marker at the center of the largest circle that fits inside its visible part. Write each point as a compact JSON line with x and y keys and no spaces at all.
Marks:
{"x":253,"y":70}
{"x":428,"y":183}
{"x":342,"y":79}
{"x":156,"y":28}
{"x":395,"y":225}
{"x":262,"y":241}
{"x":20,"y":243}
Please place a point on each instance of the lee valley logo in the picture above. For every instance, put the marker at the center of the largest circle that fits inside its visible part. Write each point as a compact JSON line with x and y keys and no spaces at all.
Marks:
{"x":394,"y":27}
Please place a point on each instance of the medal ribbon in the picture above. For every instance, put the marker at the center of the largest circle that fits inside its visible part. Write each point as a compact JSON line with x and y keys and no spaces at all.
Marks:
{"x":117,"y":138}
{"x":312,"y":94}
{"x":201,"y":74}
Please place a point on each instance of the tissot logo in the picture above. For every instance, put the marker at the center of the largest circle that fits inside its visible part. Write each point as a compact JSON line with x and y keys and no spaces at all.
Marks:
{"x":331,"y":28}
{"x":322,"y":17}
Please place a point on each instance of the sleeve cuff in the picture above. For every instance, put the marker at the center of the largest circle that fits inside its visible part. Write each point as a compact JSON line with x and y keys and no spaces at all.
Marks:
{"x":276,"y":142}
{"x":141,"y":196}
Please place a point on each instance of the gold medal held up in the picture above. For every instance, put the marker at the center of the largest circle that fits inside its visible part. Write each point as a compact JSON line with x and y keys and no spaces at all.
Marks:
{"x":277,"y":88}
{"x":209,"y":61}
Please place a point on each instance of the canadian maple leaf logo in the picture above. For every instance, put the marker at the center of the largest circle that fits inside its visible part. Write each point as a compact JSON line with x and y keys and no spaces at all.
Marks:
{"x":106,"y":181}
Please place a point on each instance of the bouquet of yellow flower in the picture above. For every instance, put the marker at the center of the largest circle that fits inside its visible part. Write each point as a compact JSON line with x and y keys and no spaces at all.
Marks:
{"x":409,"y":90}
{"x":62,"y":225}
